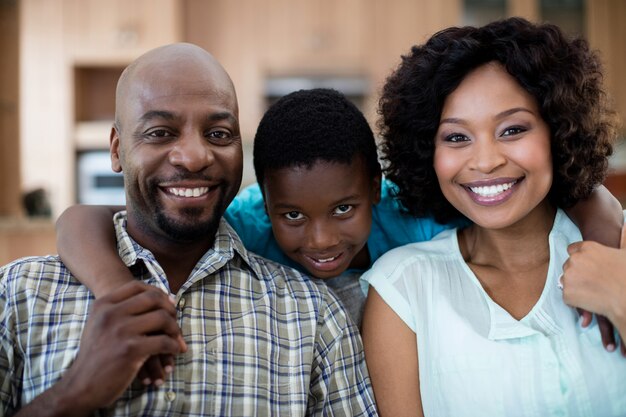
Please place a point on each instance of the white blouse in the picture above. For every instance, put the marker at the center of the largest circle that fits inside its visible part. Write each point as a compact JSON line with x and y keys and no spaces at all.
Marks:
{"x":475,"y":359}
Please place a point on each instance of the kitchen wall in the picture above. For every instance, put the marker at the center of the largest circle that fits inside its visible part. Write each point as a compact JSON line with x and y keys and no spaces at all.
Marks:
{"x":59,"y":102}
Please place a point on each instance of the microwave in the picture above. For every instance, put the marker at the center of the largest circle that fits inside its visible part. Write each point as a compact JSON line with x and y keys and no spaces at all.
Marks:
{"x":96,"y":182}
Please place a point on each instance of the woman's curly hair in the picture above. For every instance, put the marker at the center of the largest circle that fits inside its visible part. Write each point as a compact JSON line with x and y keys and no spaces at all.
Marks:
{"x":563,"y":75}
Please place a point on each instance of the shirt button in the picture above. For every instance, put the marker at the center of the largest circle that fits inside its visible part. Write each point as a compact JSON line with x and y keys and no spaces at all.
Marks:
{"x":170,"y":396}
{"x":181,"y":303}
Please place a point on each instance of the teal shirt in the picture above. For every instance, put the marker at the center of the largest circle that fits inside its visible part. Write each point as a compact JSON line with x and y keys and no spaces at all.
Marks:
{"x":390,"y":227}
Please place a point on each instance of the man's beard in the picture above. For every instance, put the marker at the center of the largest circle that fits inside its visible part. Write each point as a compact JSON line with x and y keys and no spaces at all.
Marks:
{"x":189,"y":231}
{"x":192,"y":228}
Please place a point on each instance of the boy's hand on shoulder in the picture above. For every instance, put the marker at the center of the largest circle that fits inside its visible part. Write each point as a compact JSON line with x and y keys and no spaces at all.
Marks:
{"x":594,"y":279}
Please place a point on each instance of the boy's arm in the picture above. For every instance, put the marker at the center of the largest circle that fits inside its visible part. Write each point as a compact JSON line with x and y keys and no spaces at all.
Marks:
{"x":87,"y":246}
{"x":594,"y":278}
{"x":86,"y":243}
{"x":600,"y":219}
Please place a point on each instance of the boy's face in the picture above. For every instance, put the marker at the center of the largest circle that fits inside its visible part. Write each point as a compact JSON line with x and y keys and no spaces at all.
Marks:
{"x":321,"y":216}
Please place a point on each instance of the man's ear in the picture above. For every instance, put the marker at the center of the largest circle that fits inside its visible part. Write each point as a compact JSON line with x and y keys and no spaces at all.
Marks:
{"x":114,"y":147}
{"x":376,"y":182}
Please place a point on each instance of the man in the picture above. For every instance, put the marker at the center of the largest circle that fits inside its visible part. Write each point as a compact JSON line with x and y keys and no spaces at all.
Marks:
{"x":259,"y":338}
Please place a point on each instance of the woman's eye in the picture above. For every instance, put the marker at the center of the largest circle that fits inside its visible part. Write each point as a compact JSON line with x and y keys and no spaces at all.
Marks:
{"x":343,"y":209}
{"x":515,"y":130}
{"x":294,"y":215}
{"x":455,"y":138}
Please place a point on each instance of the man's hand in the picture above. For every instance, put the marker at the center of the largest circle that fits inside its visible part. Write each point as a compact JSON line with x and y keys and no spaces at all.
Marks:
{"x":123,"y":330}
{"x":594,"y":279}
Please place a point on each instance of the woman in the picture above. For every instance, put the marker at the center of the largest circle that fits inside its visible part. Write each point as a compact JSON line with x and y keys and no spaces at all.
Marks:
{"x":505,"y":125}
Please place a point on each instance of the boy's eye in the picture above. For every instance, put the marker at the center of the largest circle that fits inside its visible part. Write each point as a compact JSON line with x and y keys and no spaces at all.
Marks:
{"x":343,"y":209}
{"x":513,"y":130}
{"x":294,"y":215}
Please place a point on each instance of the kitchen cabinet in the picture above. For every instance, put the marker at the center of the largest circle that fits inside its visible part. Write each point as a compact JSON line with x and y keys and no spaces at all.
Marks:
{"x":94,"y":105}
{"x":607,"y":33}
{"x":10,"y":202}
{"x":118,"y":30}
{"x":317,"y":35}
{"x":24,"y":237}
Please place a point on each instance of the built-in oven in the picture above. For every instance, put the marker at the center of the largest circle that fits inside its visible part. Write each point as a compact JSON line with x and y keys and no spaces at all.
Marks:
{"x":97,"y":183}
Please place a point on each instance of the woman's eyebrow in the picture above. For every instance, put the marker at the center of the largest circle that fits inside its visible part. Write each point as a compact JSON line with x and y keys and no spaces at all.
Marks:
{"x":509,"y":112}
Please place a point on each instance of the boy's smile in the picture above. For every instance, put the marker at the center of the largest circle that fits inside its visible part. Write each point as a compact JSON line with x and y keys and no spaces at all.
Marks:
{"x":321,"y":215}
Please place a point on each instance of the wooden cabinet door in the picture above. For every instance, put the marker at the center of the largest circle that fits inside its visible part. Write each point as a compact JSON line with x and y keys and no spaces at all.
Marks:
{"x":118,"y":30}
{"x":317,"y":35}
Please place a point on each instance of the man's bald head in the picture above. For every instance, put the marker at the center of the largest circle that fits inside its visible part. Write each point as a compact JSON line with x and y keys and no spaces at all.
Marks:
{"x":176,"y":139}
{"x":159,"y":65}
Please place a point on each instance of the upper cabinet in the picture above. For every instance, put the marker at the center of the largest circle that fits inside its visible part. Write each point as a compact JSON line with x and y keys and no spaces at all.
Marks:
{"x":117,"y":31}
{"x":10,"y":203}
{"x":317,"y":36}
{"x":607,"y":33}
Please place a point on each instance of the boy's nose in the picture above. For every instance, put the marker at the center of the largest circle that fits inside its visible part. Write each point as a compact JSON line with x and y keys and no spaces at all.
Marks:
{"x":322,"y":236}
{"x":191,"y":152}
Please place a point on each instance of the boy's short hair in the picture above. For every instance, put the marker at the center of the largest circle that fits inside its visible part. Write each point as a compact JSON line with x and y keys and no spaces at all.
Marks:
{"x":308,"y":126}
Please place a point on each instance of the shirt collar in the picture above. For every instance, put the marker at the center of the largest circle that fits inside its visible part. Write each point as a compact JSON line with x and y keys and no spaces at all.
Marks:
{"x":541,"y":318}
{"x":227,"y":246}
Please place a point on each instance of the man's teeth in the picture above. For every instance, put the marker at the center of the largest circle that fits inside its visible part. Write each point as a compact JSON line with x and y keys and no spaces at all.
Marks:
{"x":189,"y":192}
{"x":326,"y":259}
{"x":492,"y":190}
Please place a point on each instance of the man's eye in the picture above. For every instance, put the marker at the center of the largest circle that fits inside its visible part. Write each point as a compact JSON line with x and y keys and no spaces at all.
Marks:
{"x":343,"y":209}
{"x":160,"y":133}
{"x":219,"y":135}
{"x":294,"y":215}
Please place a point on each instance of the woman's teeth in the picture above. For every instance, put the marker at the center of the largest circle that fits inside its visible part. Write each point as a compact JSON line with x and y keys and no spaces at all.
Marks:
{"x":492,"y":190}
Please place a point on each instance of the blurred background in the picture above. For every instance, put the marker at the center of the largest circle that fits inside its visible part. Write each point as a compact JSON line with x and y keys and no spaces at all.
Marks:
{"x":61,"y":60}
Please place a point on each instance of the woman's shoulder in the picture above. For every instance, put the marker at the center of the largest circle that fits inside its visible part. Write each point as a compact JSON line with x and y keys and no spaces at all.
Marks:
{"x":441,"y":249}
{"x":393,"y":227}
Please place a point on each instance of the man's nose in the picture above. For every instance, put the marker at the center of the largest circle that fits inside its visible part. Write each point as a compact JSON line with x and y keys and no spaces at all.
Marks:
{"x":191,"y":152}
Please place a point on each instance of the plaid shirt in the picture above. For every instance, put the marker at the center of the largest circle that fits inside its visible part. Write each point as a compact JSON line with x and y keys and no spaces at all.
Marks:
{"x":263,"y":339}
